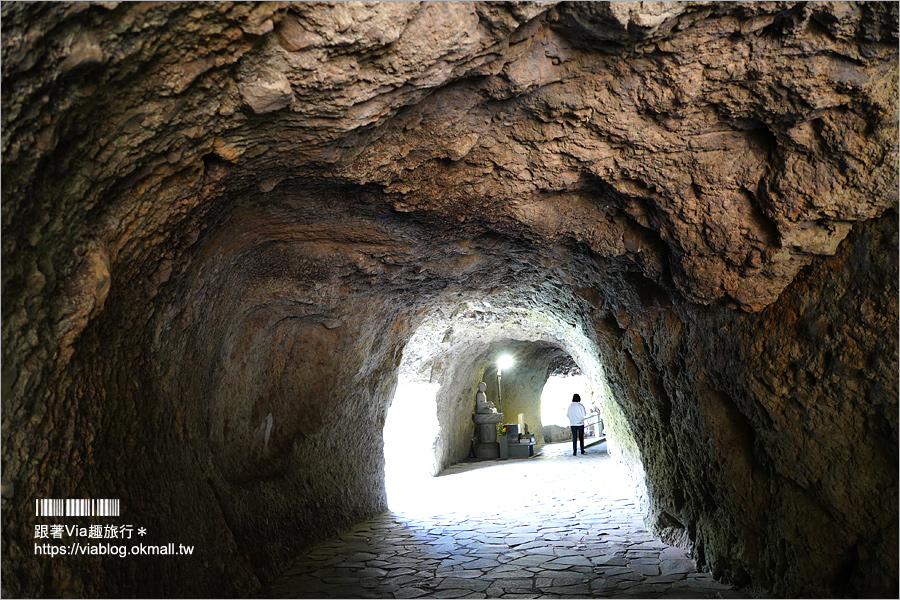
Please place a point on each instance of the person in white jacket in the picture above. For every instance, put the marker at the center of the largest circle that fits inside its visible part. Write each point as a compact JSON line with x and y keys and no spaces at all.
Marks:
{"x":576,"y":414}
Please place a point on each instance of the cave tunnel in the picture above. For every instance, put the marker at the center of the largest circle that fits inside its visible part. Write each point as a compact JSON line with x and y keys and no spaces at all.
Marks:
{"x":233,"y":232}
{"x":456,"y":346}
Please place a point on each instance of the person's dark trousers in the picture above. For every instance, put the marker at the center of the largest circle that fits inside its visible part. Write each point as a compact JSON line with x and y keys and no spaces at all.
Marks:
{"x":577,"y":435}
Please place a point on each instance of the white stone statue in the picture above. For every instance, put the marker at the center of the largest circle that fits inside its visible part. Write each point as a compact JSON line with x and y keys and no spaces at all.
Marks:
{"x":482,"y":406}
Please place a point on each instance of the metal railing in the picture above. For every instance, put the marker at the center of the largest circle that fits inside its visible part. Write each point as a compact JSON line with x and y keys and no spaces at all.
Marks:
{"x":593,"y":425}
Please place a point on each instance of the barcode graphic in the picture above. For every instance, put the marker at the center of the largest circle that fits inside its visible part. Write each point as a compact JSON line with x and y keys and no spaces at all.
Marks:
{"x":76,"y":507}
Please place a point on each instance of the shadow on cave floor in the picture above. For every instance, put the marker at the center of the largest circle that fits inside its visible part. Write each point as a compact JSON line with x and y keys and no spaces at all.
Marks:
{"x":550,"y":526}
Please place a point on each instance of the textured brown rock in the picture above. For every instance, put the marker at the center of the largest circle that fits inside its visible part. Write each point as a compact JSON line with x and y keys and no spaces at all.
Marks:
{"x":780,"y":395}
{"x":229,"y":228}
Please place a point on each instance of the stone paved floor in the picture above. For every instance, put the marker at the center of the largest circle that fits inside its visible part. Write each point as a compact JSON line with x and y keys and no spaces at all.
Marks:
{"x":552,"y":526}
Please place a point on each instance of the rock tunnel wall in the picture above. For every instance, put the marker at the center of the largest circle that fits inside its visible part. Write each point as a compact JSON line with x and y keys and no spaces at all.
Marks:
{"x":806,"y":372}
{"x":214,"y":213}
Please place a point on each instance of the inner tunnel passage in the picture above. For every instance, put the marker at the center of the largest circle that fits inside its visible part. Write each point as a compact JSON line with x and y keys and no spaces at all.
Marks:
{"x":554,"y":525}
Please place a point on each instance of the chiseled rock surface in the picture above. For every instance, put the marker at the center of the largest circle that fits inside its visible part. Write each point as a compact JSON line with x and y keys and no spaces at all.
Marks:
{"x":223,"y":223}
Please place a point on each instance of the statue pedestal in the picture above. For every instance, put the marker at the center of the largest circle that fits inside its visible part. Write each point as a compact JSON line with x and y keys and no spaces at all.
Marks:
{"x":487,"y":450}
{"x":487,"y":446}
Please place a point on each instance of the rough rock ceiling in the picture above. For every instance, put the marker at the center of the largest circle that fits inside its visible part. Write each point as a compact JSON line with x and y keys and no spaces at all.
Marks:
{"x":718,"y":146}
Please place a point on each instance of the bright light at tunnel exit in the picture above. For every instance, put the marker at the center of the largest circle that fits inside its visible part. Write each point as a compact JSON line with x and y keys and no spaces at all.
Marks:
{"x":557,"y":395}
{"x":505,"y":361}
{"x":410,"y":432}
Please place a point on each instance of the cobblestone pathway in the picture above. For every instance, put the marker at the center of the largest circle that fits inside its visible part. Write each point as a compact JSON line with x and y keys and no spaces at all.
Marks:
{"x":552,"y":526}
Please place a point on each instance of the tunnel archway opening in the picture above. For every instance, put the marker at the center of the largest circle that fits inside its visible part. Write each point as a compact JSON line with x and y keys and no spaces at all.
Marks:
{"x":557,"y":394}
{"x":555,"y":400}
{"x":564,"y":380}
{"x":411,"y":431}
{"x":429,"y":422}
